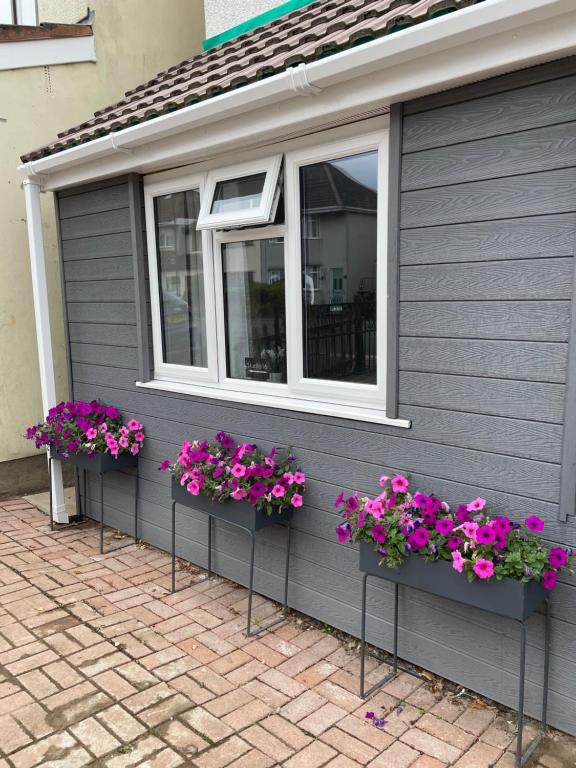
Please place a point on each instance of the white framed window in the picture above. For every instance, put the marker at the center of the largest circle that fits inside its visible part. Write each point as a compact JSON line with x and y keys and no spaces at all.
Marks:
{"x":288,"y":315}
{"x":241,"y":195}
{"x":23,"y":12}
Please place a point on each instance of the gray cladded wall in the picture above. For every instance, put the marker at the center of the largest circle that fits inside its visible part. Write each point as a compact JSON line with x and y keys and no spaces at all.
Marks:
{"x":486,"y":252}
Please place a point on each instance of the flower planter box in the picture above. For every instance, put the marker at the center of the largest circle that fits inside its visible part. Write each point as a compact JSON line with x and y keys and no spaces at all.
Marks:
{"x":101,"y":463}
{"x":510,"y":598}
{"x":239,"y":513}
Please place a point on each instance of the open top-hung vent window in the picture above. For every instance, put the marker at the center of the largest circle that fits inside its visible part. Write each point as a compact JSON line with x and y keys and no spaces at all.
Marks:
{"x":241,"y":195}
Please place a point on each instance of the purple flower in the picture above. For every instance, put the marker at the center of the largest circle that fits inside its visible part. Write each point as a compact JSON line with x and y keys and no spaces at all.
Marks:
{"x":454,"y":542}
{"x":343,"y":532}
{"x":485,"y":535}
{"x":164,"y":465}
{"x":462,"y":514}
{"x":419,"y":500}
{"x":444,"y":526}
{"x":369,"y":715}
{"x":419,"y":538}
{"x":379,"y":722}
{"x":527,"y":571}
{"x":352,"y":503}
{"x":339,"y":499}
{"x":378,"y":534}
{"x":534,"y":523}
{"x":428,"y":517}
{"x":112,"y":413}
{"x":557,"y":557}
{"x":549,"y":579}
{"x":502,"y":525}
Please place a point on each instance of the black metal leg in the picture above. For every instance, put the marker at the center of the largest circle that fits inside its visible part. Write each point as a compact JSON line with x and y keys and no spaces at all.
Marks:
{"x":209,"y":546}
{"x":173,"y":546}
{"x":50,"y":460}
{"x":519,"y":760}
{"x":547,"y":628}
{"x":77,"y":494}
{"x":85,"y":499}
{"x":136,"y":506}
{"x":287,"y":567}
{"x":101,"y":513}
{"x":391,"y":675}
{"x":251,"y":582}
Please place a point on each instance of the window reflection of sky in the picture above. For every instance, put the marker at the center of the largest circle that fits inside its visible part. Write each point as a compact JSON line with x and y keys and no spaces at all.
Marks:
{"x":361,"y":168}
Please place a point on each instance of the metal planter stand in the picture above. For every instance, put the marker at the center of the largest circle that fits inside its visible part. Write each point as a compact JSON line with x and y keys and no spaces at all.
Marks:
{"x":512,"y":599}
{"x":241,"y":515}
{"x":100,"y":464}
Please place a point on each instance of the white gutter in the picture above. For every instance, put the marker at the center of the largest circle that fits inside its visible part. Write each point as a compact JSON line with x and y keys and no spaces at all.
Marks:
{"x":42,"y":317}
{"x":468,"y":24}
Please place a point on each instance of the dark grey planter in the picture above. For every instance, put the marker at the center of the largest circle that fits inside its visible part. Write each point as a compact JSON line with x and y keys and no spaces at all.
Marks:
{"x":101,"y":463}
{"x":236,"y":512}
{"x":510,"y":598}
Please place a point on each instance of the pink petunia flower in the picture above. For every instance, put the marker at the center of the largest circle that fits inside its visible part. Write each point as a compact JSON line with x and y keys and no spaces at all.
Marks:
{"x":485,"y":534}
{"x":289,"y":477}
{"x":383,"y":480}
{"x":123,"y":442}
{"x":297,"y":500}
{"x":164,"y":465}
{"x":124,"y":431}
{"x":238,"y":470}
{"x":534,"y":523}
{"x":278,"y":491}
{"x":470,"y":529}
{"x":477,"y":505}
{"x":300,"y":478}
{"x":444,"y":526}
{"x":374,"y":508}
{"x":134,"y":425}
{"x":400,"y":484}
{"x":343,"y":532}
{"x":91,"y":433}
{"x":557,"y":557}
{"x":193,"y":487}
{"x":484,"y":569}
{"x":139,"y":437}
{"x":457,"y":561}
{"x":135,"y":449}
{"x":378,"y":534}
{"x":419,"y":538}
{"x":549,"y":579}
{"x":103,"y":428}
{"x":239,"y":494}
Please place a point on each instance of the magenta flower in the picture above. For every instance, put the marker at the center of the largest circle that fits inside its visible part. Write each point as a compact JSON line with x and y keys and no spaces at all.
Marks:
{"x":278,"y":491}
{"x":485,"y":534}
{"x":299,"y":477}
{"x":477,"y":505}
{"x":419,"y":538}
{"x":134,"y":425}
{"x":454,"y":542}
{"x":297,"y":500}
{"x":369,"y":715}
{"x":139,"y":437}
{"x":557,"y":557}
{"x":239,"y":494}
{"x":378,"y":534}
{"x":484,"y":569}
{"x":457,"y":562}
{"x":339,"y":499}
{"x":374,"y":508}
{"x":91,"y":433}
{"x":444,"y":526}
{"x":470,"y":529}
{"x":164,"y":465}
{"x":400,"y":484}
{"x":383,"y":480}
{"x":428,"y":517}
{"x":500,"y":541}
{"x":549,"y":579}
{"x":238,"y":470}
{"x":420,"y":501}
{"x":343,"y":532}
{"x":462,"y":513}
{"x":502,"y":525}
{"x":534,"y":523}
{"x":135,"y":449}
{"x":352,"y":503}
{"x":193,"y":487}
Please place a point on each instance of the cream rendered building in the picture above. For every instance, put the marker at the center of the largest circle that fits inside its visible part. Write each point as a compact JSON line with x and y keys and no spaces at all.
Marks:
{"x":131,"y":41}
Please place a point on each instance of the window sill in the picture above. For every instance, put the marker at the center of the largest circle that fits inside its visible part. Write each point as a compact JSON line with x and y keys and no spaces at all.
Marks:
{"x":339,"y":410}
{"x":43,"y":52}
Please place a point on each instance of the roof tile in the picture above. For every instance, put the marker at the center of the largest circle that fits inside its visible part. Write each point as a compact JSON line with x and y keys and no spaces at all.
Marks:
{"x":317,"y":30}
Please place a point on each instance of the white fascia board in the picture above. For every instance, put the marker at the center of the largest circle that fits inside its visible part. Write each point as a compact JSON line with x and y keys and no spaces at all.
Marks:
{"x":477,"y":42}
{"x":49,"y":52}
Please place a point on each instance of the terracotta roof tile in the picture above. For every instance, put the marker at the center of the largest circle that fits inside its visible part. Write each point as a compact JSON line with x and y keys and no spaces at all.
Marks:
{"x":312,"y":32}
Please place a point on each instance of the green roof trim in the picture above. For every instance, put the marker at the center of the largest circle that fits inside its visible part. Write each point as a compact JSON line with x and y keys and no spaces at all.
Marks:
{"x":255,"y":21}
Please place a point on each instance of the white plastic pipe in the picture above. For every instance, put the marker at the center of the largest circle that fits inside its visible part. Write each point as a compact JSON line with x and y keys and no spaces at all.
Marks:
{"x":42,"y":316}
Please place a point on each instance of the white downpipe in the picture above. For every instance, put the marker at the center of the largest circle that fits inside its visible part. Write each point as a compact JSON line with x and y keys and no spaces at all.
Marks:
{"x":42,"y":316}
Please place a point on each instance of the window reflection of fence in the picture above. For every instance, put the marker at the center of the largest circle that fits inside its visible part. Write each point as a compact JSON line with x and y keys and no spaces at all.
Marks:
{"x":340,"y":340}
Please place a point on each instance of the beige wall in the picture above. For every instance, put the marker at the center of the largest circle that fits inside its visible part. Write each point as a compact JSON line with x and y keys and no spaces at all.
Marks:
{"x":134,"y":40}
{"x":224,"y":14}
{"x":62,"y":11}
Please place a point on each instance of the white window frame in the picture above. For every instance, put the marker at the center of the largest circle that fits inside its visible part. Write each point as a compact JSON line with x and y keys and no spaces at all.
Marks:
{"x":363,"y":402}
{"x":248,"y":217}
{"x":332,"y":391}
{"x":170,"y":371}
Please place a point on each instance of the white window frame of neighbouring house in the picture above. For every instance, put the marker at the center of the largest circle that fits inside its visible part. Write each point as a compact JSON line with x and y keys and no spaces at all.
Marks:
{"x":281,"y":164}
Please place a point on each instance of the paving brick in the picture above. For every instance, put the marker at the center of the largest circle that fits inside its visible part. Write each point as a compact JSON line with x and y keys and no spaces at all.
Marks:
{"x":268,"y":695}
{"x":223,"y":754}
{"x":13,"y":736}
{"x":181,"y":738}
{"x":253,"y":759}
{"x":61,"y":746}
{"x":229,"y":702}
{"x":165,"y":710}
{"x":304,"y":705}
{"x":341,"y":761}
{"x":322,"y":719}
{"x":479,"y":756}
{"x":38,"y":684}
{"x":398,"y":755}
{"x":247,"y":715}
{"x":114,"y":685}
{"x":430,"y":745}
{"x":121,"y":723}
{"x":36,"y":720}
{"x":347,"y":745}
{"x":93,"y":736}
{"x":446,"y":731}
{"x":366,"y":732}
{"x":267,"y":743}
{"x":475,"y":720}
{"x":207,"y":725}
{"x":312,"y":756}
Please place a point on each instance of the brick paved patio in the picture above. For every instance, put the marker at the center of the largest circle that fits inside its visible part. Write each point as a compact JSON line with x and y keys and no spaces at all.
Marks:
{"x":101,"y":666}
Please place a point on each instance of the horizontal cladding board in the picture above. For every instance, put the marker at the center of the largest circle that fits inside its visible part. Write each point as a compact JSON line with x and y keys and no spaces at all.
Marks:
{"x":504,"y":240}
{"x":470,"y":394}
{"x":520,"y":279}
{"x":96,"y":333}
{"x":526,"y":152}
{"x":103,"y":247}
{"x":90,"y":312}
{"x":95,"y":201}
{"x":93,"y":186}
{"x":531,"y":195}
{"x":114,"y":268}
{"x":519,"y":320}
{"x":120,"y":357}
{"x":525,"y":361}
{"x":96,"y":224}
{"x":100,"y":291}
{"x":534,"y":106}
{"x":516,"y":475}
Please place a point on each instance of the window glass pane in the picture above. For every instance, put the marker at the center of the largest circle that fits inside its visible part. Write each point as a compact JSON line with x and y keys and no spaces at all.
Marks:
{"x":181,"y":279}
{"x":338,"y":202}
{"x":255,"y":310}
{"x":238,"y":194}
